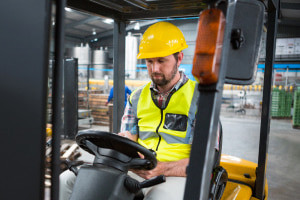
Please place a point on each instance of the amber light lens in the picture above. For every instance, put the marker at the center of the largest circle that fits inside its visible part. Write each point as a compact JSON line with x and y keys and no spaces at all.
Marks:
{"x":207,"y":57}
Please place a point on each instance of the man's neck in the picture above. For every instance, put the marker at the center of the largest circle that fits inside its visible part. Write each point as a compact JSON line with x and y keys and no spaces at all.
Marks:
{"x":170,"y":85}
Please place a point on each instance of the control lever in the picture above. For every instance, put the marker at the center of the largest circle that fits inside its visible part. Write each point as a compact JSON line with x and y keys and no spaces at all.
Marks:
{"x":153,"y":181}
{"x":134,"y":186}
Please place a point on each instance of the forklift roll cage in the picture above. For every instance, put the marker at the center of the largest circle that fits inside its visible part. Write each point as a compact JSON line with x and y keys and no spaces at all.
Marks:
{"x":201,"y":162}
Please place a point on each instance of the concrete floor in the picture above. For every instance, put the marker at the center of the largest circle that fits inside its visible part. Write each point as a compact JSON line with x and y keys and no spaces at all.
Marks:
{"x":241,"y":139}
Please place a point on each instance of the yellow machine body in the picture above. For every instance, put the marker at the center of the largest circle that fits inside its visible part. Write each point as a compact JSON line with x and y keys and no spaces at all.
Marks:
{"x":241,"y":178}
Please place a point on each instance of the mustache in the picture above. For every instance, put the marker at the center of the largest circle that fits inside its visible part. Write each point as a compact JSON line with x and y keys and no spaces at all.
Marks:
{"x":156,"y":74}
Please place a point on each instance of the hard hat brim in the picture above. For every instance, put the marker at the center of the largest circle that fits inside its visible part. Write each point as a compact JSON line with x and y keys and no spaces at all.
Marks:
{"x":159,"y":54}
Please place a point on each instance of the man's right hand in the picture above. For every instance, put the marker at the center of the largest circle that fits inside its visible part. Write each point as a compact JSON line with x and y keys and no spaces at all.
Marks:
{"x":128,"y":135}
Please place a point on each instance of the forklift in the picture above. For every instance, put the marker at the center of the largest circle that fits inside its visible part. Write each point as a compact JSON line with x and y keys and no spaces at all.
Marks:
{"x":227,"y":47}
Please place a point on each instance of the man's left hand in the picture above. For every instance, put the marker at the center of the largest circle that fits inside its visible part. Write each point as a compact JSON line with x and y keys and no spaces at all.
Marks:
{"x":147,"y":174}
{"x":175,"y":168}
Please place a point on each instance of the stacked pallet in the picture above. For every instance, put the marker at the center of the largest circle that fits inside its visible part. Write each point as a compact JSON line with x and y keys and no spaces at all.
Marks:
{"x":296,"y":114}
{"x":95,"y":101}
{"x":99,"y":109}
{"x":288,"y":103}
{"x":82,"y":99}
{"x":281,"y":103}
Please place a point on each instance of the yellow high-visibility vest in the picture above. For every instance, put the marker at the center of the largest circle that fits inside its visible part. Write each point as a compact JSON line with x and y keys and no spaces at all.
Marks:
{"x":166,"y":131}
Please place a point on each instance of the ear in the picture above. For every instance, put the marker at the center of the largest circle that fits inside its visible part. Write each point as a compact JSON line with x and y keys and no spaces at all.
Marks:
{"x":180,"y":57}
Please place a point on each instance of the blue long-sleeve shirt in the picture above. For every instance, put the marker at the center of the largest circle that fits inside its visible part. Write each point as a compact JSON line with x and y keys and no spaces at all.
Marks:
{"x":111,"y":94}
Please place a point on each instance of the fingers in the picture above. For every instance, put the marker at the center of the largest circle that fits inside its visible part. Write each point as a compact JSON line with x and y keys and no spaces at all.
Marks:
{"x":122,"y":134}
{"x":141,"y":155}
{"x":128,"y":135}
{"x":146,"y":174}
{"x":125,"y":134}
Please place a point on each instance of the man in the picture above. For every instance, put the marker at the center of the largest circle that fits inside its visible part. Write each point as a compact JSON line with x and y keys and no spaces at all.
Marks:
{"x":160,"y":115}
{"x":111,"y":95}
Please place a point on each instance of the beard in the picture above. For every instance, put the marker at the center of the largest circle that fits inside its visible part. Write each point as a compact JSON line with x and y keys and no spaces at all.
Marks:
{"x":163,"y":80}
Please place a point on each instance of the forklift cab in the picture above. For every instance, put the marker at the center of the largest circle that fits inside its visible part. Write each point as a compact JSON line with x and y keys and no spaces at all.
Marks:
{"x":227,"y":46}
{"x":232,"y":31}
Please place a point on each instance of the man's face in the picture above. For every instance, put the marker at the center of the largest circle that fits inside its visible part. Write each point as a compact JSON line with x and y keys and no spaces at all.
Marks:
{"x":162,"y":70}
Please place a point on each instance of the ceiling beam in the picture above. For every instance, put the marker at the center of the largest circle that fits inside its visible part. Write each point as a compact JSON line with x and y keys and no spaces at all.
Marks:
{"x":89,"y":25}
{"x":139,"y":4}
{"x":110,"y":32}
{"x":94,"y":8}
{"x":109,"y":4}
{"x":84,"y":21}
{"x":74,"y":38}
{"x":150,"y":14}
{"x":86,"y":32}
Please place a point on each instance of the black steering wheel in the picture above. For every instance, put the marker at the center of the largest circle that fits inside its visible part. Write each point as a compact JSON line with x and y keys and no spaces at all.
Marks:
{"x":115,"y":151}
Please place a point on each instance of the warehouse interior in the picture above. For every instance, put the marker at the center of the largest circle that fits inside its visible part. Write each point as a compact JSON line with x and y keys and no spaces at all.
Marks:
{"x":88,"y":55}
{"x":89,"y":38}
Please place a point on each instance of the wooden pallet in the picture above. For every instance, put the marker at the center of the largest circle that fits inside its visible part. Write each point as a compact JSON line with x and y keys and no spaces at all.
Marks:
{"x":67,"y":152}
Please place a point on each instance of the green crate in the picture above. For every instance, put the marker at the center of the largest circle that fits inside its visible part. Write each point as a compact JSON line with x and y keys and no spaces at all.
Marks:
{"x":281,"y":103}
{"x":296,"y":113}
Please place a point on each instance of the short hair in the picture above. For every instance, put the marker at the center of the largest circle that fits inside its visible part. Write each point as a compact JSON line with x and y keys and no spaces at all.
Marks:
{"x":176,"y":56}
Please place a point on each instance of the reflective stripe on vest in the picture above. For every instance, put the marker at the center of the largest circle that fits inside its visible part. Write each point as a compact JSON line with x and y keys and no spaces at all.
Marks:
{"x":157,"y":128}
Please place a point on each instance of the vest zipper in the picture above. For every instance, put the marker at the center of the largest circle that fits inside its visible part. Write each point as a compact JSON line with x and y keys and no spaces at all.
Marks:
{"x":159,"y":136}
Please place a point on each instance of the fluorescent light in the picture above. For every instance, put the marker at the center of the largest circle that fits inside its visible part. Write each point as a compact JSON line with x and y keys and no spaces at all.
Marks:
{"x":68,"y":9}
{"x":108,"y":21}
{"x":136,"y":26}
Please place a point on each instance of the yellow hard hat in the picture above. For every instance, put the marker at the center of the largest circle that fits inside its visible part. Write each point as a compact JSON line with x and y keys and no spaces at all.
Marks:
{"x":161,"y":39}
